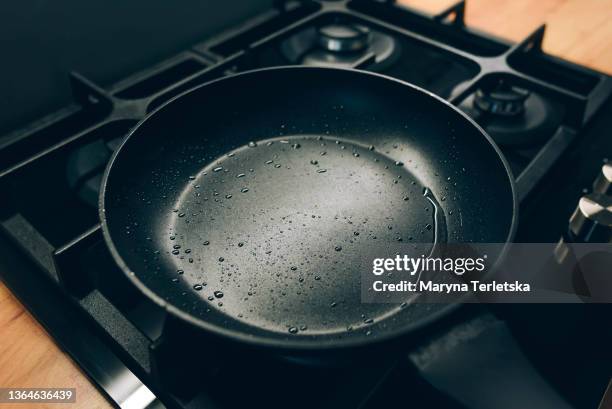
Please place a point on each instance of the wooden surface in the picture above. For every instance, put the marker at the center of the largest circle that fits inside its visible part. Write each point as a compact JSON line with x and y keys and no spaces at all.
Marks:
{"x":30,"y":359}
{"x":578,"y":30}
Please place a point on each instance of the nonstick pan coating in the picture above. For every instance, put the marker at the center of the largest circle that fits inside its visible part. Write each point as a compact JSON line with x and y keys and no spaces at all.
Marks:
{"x":244,"y":206}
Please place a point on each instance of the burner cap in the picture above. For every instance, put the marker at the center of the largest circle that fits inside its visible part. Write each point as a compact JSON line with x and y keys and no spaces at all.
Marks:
{"x":341,"y":45}
{"x":514,"y":116}
{"x":343,"y":37}
{"x":501,"y":100}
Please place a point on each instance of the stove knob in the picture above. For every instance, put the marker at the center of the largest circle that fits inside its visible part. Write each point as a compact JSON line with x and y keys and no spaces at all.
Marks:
{"x":603,"y":183}
{"x":343,"y":37}
{"x":592,"y":220}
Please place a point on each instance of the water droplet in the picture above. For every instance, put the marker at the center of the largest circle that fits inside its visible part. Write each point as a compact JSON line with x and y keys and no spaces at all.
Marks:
{"x":228,"y":196}
{"x":218,"y":294}
{"x":240,"y":244}
{"x":218,"y":169}
{"x":293,"y":330}
{"x":221,"y":259}
{"x":198,"y":287}
{"x":355,"y":154}
{"x":252,"y":144}
{"x":206,"y":243}
{"x":296,"y":146}
{"x":244,"y":190}
{"x":181,"y":215}
{"x":314,"y":162}
{"x":398,"y":163}
{"x":293,"y":268}
{"x":338,"y":248}
{"x":371,"y":147}
{"x":175,"y":252}
{"x":321,"y":170}
{"x":406,"y":198}
{"x":240,"y":175}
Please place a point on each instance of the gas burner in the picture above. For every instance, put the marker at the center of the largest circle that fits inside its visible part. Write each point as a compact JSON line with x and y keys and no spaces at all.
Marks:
{"x":343,"y":38}
{"x":85,"y":166}
{"x":340,"y":44}
{"x":513,"y":116}
{"x":503,"y":100}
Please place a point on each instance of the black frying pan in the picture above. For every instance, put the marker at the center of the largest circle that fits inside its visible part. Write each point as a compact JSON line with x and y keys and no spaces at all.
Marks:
{"x":243,"y":206}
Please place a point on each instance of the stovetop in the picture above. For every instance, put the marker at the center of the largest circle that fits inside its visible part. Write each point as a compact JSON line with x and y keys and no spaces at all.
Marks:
{"x":550,"y":117}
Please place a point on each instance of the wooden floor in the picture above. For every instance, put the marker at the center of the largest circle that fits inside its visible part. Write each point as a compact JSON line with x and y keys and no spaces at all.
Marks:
{"x":578,"y":30}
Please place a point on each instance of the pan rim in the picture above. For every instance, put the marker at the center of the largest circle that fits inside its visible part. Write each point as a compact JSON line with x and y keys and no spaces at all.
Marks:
{"x":294,"y":343}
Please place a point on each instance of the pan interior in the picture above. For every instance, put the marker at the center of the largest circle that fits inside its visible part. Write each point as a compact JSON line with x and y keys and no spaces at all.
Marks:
{"x":272,"y":233}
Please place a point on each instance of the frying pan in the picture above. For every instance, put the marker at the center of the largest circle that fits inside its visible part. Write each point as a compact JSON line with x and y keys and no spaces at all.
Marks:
{"x":243,"y":205}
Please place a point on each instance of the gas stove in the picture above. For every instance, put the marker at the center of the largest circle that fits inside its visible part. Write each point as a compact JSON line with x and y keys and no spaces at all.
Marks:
{"x":550,"y":118}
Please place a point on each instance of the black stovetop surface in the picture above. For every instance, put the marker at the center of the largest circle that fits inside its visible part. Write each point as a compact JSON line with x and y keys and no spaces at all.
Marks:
{"x":54,"y":259}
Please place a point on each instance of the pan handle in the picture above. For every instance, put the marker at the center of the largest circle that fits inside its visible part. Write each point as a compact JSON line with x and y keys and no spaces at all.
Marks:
{"x":479,"y":364}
